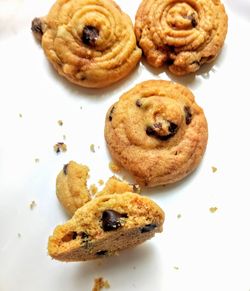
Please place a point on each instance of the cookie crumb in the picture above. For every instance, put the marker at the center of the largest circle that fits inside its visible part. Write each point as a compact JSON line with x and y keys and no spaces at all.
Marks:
{"x":60,"y":147}
{"x":176,"y":268}
{"x":179,"y":216}
{"x":114,"y":168}
{"x":20,"y":115}
{"x":32,"y":205}
{"x":92,"y":148}
{"x":60,"y":122}
{"x":93,"y":189}
{"x":19,"y":234}
{"x":100,"y":283}
{"x":213,"y":209}
{"x":100,"y":182}
{"x":37,"y":160}
{"x":214,"y":169}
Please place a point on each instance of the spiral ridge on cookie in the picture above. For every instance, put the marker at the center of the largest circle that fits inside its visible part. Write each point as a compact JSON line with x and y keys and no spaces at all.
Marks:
{"x":183,"y":34}
{"x":90,"y":42}
{"x":157,"y":132}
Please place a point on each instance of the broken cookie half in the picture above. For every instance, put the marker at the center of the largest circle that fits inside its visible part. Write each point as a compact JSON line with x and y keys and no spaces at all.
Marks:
{"x":106,"y":225}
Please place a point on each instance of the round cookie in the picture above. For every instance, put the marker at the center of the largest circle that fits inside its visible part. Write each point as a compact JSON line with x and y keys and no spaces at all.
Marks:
{"x":182,"y":34}
{"x":157,"y":132}
{"x":71,"y":187}
{"x":105,"y":226}
{"x":89,"y":42}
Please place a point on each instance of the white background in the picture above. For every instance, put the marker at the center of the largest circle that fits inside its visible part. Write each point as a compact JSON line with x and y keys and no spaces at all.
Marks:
{"x":201,"y":251}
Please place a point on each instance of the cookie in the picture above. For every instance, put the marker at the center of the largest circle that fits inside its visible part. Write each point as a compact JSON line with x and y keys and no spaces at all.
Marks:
{"x":104,"y":226}
{"x":181,"y":34}
{"x":157,"y":132}
{"x":71,"y":187}
{"x":89,"y":42}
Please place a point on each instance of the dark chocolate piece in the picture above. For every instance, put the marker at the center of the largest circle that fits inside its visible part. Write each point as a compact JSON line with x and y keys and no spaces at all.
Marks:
{"x":102,"y":253}
{"x":111,"y":113}
{"x":188,"y":114}
{"x":65,"y":169}
{"x":89,"y":35}
{"x":111,"y":220}
{"x":148,"y":227}
{"x":138,"y":103}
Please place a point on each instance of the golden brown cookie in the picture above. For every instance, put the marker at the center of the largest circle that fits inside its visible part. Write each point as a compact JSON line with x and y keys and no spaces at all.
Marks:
{"x":182,"y":34}
{"x":105,"y":226}
{"x":157,"y":132}
{"x":89,"y":42}
{"x":71,"y":186}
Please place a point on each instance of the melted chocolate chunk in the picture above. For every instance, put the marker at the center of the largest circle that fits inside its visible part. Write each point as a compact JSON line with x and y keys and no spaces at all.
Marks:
{"x":188,"y":114}
{"x":111,"y":220}
{"x":138,"y":103}
{"x":111,"y":113}
{"x":148,"y":227}
{"x":194,"y":22}
{"x":89,"y":35}
{"x":83,"y":235}
{"x":150,"y":131}
{"x":102,"y":253}
{"x":36,"y":26}
{"x":154,"y":131}
{"x":65,"y":169}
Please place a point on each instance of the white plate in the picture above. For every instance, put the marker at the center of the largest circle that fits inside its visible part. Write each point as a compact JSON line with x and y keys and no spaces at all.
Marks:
{"x":200,"y":251}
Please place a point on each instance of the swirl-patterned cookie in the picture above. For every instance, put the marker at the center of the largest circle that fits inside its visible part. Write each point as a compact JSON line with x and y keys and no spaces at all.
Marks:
{"x":106,"y":225}
{"x":157,"y":132}
{"x":89,"y":42}
{"x":182,"y":34}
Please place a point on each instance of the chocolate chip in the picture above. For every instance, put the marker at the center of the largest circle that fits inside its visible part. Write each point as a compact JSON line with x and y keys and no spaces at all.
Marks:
{"x":36,"y":26}
{"x":83,"y":235}
{"x":69,"y":236}
{"x":188,"y":114}
{"x":148,"y":227}
{"x":155,"y":131}
{"x":102,"y":253}
{"x":138,"y":103}
{"x":111,"y":113}
{"x":111,"y":220}
{"x":173,"y":128}
{"x":65,"y":169}
{"x":150,"y":131}
{"x":194,"y":22}
{"x":89,"y":35}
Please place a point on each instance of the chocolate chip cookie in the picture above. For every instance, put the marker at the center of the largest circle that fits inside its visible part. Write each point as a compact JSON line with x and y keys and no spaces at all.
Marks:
{"x":157,"y":132}
{"x":89,"y":42}
{"x":104,"y":226}
{"x":181,"y":34}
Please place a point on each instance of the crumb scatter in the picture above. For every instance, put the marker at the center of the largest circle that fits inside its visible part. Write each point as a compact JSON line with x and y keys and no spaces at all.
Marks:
{"x":93,"y":189}
{"x":214,"y":169}
{"x":32,"y":205}
{"x":60,"y":147}
{"x":92,"y":148}
{"x":60,"y":122}
{"x":213,"y":209}
{"x":100,"y":182}
{"x":100,"y":283}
